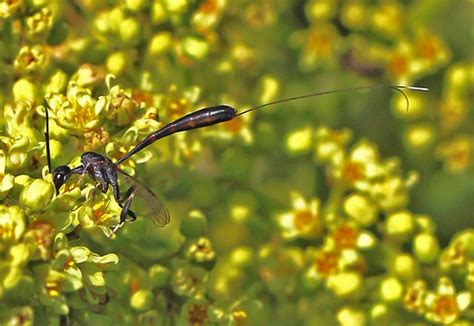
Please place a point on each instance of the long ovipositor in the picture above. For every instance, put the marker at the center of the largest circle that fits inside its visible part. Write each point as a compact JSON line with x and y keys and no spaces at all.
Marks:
{"x":220,"y":113}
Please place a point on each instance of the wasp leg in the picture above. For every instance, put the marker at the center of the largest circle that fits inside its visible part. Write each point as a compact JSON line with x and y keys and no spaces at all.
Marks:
{"x":129,"y":195}
{"x":125,"y":204}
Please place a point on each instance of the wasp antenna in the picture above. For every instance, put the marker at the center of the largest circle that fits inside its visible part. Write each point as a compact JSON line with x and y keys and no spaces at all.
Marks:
{"x":46,"y":136}
{"x":398,"y":88}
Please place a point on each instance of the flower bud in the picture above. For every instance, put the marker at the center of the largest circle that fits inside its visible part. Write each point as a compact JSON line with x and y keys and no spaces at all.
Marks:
{"x":351,"y":317}
{"x":426,"y":247}
{"x":175,"y":6}
{"x":360,"y":209}
{"x":405,"y":266}
{"x":24,"y":90}
{"x":135,"y":5}
{"x":57,"y":83}
{"x":117,"y":63}
{"x":195,"y":47}
{"x":299,"y":141}
{"x":160,"y":43}
{"x":160,"y":276}
{"x":141,"y":300}
{"x":194,"y":224}
{"x":391,"y":290}
{"x":37,"y":195}
{"x":242,"y":257}
{"x":345,"y":284}
{"x":420,"y":137}
{"x":400,"y":226}
{"x":130,"y":31}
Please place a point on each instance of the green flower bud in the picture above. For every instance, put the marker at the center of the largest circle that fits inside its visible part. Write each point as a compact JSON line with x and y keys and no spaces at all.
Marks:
{"x":57,"y":83}
{"x":195,"y":48}
{"x":194,"y":224}
{"x":59,"y":33}
{"x":391,"y":290}
{"x":405,"y":266}
{"x":135,"y":5}
{"x":37,"y":195}
{"x":19,"y":183}
{"x":345,"y":284}
{"x":24,"y":90}
{"x":361,"y":209}
{"x":160,"y":276}
{"x":175,"y":6}
{"x":130,"y":31}
{"x":351,"y":317}
{"x":117,"y":63}
{"x":160,"y":43}
{"x":299,"y":141}
{"x":420,"y":137}
{"x":400,"y":226}
{"x":142,"y":300}
{"x":242,"y":257}
{"x":242,"y":206}
{"x":426,"y":247}
{"x":158,"y":13}
{"x":379,"y":312}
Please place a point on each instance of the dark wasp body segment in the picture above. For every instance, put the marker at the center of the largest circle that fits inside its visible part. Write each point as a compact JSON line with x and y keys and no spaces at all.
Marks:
{"x":194,"y":120}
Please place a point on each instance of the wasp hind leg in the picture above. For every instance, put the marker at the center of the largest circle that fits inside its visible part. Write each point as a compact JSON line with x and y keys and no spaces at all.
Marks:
{"x":126,"y":211}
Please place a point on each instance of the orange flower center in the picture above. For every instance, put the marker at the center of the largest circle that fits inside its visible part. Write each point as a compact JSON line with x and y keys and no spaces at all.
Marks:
{"x":446,"y":307}
{"x":326,"y":263}
{"x":197,"y":315}
{"x":303,"y":219}
{"x":345,"y":237}
{"x":352,"y":172}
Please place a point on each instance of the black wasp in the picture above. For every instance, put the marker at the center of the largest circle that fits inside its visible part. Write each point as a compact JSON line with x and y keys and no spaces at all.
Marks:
{"x":105,"y":172}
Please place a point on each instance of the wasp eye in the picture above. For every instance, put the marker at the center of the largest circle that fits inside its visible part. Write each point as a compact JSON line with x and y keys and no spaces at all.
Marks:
{"x":60,"y":175}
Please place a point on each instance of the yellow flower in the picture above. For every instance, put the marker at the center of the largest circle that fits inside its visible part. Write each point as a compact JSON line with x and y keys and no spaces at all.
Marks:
{"x":445,"y":305}
{"x":431,"y":50}
{"x":330,"y":144}
{"x":457,"y":154}
{"x":415,"y":295}
{"x":304,"y":221}
{"x":320,"y":45}
{"x":456,"y":255}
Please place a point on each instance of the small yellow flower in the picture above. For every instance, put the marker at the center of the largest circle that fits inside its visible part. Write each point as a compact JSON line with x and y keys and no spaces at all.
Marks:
{"x":304,"y":221}
{"x":431,"y":49}
{"x":208,"y":14}
{"x":387,"y":18}
{"x":457,"y":154}
{"x":415,"y":295}
{"x":320,"y":44}
{"x":30,"y":59}
{"x":445,"y":305}
{"x":330,"y":144}
{"x":456,"y":255}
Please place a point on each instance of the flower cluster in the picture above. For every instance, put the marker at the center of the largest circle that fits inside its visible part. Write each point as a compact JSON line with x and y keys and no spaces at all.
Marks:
{"x":274,"y":216}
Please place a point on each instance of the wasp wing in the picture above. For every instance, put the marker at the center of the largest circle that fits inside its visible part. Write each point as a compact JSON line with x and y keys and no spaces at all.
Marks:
{"x":156,"y":209}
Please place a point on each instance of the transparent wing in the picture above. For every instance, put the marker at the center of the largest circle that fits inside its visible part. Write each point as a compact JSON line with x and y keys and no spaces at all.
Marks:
{"x":147,"y":200}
